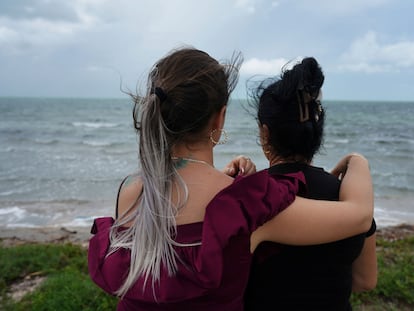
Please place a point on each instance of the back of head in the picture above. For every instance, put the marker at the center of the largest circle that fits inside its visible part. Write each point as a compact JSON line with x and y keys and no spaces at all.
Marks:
{"x":290,"y":107}
{"x":187,"y":86}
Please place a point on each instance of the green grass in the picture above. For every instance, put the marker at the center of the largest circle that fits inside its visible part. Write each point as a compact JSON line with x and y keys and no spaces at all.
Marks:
{"x":395,"y":288}
{"x":68,"y":287}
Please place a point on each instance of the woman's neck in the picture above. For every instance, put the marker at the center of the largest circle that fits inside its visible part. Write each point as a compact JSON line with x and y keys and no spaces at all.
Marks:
{"x":204,"y":154}
{"x":275,"y":159}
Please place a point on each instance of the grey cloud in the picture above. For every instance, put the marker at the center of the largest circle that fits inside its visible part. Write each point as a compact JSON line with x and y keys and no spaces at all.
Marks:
{"x":33,"y":9}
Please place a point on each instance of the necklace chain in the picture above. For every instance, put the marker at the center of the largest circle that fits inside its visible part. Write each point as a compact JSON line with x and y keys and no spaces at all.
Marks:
{"x":180,"y":159}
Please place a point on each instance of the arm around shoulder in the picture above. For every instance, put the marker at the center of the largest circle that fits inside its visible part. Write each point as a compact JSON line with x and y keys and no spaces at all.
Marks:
{"x":307,"y":221}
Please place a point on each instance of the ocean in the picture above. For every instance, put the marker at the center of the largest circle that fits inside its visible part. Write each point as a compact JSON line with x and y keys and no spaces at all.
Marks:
{"x":62,"y":159}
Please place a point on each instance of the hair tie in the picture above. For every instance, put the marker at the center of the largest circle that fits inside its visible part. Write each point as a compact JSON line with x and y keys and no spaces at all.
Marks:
{"x":312,"y":90}
{"x":160,"y":94}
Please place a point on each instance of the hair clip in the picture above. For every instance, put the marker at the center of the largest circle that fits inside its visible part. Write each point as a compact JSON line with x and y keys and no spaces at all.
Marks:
{"x":319,"y":110}
{"x":159,"y":92}
{"x":303,"y":107}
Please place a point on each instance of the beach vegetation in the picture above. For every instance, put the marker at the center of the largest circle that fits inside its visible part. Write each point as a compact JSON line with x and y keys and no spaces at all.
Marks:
{"x":64,"y":273}
{"x":395,"y":287}
{"x":65,"y":283}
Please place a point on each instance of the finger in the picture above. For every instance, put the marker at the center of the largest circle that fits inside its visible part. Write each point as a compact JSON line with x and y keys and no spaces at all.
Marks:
{"x":242,"y":164}
{"x":247,"y":166}
{"x":250,"y":171}
{"x":337,"y":171}
{"x":250,"y":168}
{"x":253,"y":168}
{"x":231,"y":170}
{"x":341,"y":167}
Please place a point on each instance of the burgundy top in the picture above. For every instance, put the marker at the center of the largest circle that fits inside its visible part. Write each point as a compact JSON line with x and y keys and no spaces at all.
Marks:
{"x":210,"y":276}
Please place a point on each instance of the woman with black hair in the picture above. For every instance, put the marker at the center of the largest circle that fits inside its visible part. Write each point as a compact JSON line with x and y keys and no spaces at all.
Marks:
{"x":288,"y":277}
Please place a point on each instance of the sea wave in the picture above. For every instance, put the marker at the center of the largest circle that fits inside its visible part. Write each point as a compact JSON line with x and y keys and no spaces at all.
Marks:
{"x":54,"y":153}
{"x":95,"y":124}
{"x":5,"y":193}
{"x":15,"y":210}
{"x":96,"y":143}
{"x":12,"y":192}
{"x":46,"y":141}
{"x":80,"y":221}
{"x":119,"y":151}
{"x":65,"y":213}
{"x":340,"y":141}
{"x":8,"y":149}
{"x":385,"y":217}
{"x":15,"y":216}
{"x":111,"y":146}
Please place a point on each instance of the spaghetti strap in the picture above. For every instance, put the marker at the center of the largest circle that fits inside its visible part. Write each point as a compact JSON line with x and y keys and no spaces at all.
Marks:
{"x":117,"y":197}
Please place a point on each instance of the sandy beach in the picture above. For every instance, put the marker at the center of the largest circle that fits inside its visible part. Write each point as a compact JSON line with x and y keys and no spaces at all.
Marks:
{"x":16,"y":236}
{"x":81,"y":235}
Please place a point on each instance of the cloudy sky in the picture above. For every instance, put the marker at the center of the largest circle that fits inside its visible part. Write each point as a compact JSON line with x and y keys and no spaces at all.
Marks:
{"x":83,"y":48}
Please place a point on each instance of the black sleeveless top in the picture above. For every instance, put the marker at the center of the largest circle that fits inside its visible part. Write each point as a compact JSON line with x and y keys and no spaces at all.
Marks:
{"x":316,"y":277}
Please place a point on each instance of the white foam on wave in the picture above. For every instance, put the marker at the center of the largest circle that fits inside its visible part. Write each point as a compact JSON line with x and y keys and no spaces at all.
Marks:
{"x":5,"y":193}
{"x":65,"y":157}
{"x":340,"y":141}
{"x":16,"y":216}
{"x":386,"y":218}
{"x":22,"y":225}
{"x":95,"y":143}
{"x":74,"y":213}
{"x":68,"y":213}
{"x":13,"y":210}
{"x":19,"y":188}
{"x":80,"y":221}
{"x":94,"y":124}
{"x":12,"y":216}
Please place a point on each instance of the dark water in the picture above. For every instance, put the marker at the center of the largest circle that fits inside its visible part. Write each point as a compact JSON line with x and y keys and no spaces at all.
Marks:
{"x":61,"y":160}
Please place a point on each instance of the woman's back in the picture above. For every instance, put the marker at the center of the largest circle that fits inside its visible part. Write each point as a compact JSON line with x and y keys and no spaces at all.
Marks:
{"x":203,"y":182}
{"x":314,"y":277}
{"x":215,"y":252}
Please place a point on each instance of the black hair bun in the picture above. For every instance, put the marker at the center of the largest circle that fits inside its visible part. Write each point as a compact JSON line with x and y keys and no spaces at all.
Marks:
{"x":313,"y":77}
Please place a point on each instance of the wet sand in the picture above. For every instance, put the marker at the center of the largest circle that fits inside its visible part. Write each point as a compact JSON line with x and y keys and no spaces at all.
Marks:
{"x":16,"y":236}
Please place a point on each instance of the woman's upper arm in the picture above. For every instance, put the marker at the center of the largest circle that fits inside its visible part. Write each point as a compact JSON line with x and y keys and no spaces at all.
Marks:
{"x":364,"y":268}
{"x":313,"y":222}
{"x":307,"y":222}
{"x":128,"y":195}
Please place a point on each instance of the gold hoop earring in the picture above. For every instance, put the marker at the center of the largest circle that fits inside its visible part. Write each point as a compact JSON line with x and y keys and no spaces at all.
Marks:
{"x":223,"y":133}
{"x":267,"y":149}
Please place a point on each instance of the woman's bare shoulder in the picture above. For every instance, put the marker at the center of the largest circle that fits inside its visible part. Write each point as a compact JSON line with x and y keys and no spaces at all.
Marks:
{"x":129,"y":193}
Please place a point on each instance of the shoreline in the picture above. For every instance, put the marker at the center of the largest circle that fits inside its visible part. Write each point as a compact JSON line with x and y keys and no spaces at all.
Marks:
{"x":81,"y":235}
{"x":42,"y":235}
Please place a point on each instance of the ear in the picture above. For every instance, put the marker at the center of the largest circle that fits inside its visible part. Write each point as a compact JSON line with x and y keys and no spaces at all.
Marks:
{"x":264,"y":134}
{"x":222,"y":115}
{"x":218,"y":122}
